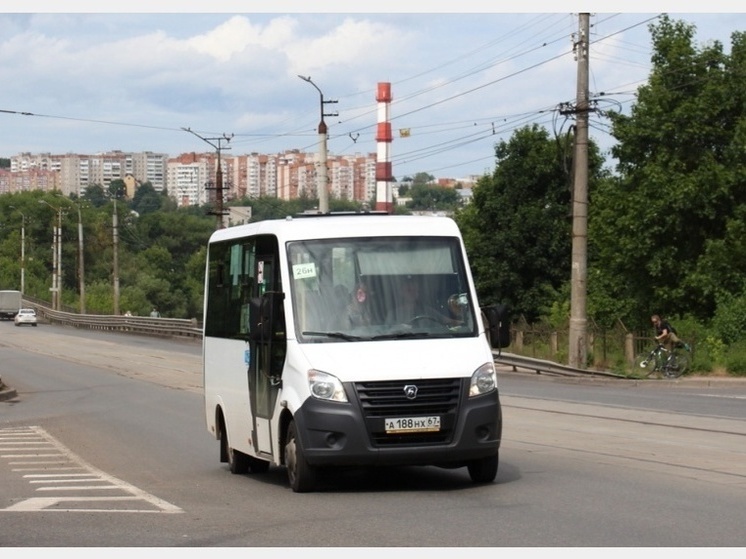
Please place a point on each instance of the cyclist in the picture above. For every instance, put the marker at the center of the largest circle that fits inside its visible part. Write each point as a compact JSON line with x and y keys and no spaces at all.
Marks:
{"x":665,"y":334}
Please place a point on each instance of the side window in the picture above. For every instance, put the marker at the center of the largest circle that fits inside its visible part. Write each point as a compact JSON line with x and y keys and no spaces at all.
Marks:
{"x":230,"y":283}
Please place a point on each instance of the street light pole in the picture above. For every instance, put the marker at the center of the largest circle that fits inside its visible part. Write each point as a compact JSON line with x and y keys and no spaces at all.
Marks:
{"x":322,"y":174}
{"x":23,"y":249}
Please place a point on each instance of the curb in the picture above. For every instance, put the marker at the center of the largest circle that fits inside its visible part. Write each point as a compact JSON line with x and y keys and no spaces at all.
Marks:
{"x":701,"y":381}
{"x":7,"y":393}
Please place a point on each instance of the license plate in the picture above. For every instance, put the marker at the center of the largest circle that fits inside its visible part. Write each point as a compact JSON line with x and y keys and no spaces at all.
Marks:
{"x":412,"y":424}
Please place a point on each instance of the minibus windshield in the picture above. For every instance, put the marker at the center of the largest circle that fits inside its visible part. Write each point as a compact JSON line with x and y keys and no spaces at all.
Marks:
{"x":379,"y":288}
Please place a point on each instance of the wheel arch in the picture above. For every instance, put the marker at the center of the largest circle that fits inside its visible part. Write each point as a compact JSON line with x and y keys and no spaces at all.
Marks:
{"x":220,"y":431}
{"x":285,"y":418}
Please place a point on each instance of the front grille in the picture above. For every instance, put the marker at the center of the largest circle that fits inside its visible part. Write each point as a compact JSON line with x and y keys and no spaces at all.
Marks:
{"x":387,"y":399}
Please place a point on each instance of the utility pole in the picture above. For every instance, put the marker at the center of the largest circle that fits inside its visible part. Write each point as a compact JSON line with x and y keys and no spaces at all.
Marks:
{"x":23,"y":249}
{"x":23,"y":253}
{"x":115,"y":241}
{"x":578,"y":351}
{"x":81,"y":263}
{"x":56,"y":258}
{"x":219,"y":211}
{"x":322,"y":176}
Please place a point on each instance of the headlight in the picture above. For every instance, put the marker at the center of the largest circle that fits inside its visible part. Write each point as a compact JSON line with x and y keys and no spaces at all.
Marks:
{"x":483,"y":380}
{"x":325,"y":386}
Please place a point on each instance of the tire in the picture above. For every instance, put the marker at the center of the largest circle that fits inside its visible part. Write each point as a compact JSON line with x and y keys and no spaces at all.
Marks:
{"x":484,"y":470}
{"x":238,"y":462}
{"x":644,"y":364}
{"x":677,"y":365}
{"x":301,"y":475}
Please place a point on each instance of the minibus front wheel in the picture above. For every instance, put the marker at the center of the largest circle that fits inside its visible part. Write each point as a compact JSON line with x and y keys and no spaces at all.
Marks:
{"x":301,"y":475}
{"x":483,"y":470}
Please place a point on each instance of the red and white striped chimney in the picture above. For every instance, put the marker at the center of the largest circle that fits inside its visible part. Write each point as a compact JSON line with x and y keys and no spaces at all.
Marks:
{"x":384,"y":175}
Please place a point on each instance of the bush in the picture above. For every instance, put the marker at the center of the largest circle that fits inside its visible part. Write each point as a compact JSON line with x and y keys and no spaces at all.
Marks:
{"x":729,"y":321}
{"x":735,"y":359}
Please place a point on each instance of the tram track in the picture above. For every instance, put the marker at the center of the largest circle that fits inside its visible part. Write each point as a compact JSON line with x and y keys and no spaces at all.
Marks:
{"x":706,"y":448}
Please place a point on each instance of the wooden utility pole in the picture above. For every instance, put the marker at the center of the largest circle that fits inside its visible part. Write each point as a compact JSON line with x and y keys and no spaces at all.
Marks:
{"x":578,"y":353}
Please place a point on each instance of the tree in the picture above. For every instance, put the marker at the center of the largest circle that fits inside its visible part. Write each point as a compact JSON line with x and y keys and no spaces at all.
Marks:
{"x":117,"y":189}
{"x":682,"y":178}
{"x":95,"y":195}
{"x":517,"y":229}
{"x":423,"y":178}
{"x":146,"y":200}
{"x":428,"y":197}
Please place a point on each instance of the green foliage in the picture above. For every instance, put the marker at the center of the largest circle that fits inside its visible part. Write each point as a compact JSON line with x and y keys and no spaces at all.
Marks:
{"x":433,"y":198}
{"x":667,"y":233}
{"x":516,"y":228}
{"x":729,"y":321}
{"x":735,"y":361}
{"x":710,"y":353}
{"x":422,"y":179}
{"x":146,"y":200}
{"x":558,"y":314}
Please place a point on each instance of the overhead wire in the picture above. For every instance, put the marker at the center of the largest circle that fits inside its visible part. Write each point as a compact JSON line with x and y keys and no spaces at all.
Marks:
{"x":486,"y":125}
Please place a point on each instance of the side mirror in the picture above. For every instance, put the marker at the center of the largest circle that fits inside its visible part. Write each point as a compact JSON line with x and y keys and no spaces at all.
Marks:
{"x":498,"y":329}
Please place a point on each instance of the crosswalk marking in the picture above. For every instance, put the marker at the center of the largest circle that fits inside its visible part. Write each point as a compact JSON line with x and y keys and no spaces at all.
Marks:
{"x":31,"y":449}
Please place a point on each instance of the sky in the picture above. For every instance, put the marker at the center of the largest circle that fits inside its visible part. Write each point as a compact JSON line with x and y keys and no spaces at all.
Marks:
{"x":141,"y":76}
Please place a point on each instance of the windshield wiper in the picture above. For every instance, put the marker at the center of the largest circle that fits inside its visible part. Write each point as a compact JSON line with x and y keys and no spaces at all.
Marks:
{"x":402,"y":335}
{"x":340,"y":335}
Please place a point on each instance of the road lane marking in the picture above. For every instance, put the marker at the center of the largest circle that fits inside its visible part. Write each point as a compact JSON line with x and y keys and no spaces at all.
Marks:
{"x":29,"y":449}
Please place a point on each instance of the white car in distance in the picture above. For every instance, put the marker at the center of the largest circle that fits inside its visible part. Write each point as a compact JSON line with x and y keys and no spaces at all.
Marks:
{"x":26,"y":316}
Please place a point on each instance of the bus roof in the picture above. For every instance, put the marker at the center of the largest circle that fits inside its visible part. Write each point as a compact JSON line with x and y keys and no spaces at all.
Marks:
{"x":342,"y":225}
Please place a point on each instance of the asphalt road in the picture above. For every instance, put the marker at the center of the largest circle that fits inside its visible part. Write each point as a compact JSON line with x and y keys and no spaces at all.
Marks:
{"x":104,"y":444}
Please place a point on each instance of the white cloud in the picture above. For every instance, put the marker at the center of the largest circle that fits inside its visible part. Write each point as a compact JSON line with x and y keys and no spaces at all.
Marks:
{"x":352,"y":42}
{"x":238,"y":33}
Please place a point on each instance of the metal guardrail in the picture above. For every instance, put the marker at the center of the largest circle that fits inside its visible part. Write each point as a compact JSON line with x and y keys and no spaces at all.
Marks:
{"x":177,"y":327}
{"x":166,"y":327}
{"x":548,"y":367}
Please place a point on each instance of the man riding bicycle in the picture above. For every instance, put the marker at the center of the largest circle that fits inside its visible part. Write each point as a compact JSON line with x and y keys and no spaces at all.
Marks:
{"x":665,"y":334}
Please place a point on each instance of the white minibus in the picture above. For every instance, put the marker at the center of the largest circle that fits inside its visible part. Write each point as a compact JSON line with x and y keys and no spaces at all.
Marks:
{"x":349,"y":340}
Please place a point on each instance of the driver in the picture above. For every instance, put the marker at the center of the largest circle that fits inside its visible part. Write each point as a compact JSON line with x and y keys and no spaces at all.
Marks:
{"x":411,"y":305}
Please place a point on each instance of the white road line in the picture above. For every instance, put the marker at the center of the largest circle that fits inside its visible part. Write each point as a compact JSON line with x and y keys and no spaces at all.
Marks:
{"x":67,"y":460}
{"x":45,"y":504}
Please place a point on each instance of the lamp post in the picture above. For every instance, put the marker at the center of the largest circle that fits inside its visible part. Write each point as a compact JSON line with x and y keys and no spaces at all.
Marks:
{"x":56,"y":258}
{"x":322,"y":175}
{"x":23,"y":249}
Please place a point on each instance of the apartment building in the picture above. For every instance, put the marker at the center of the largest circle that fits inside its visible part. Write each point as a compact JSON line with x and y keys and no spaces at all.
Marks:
{"x":74,"y":173}
{"x":191,"y":178}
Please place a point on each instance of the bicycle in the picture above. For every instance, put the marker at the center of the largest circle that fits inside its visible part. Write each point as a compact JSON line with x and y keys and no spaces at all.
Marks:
{"x":665,"y":363}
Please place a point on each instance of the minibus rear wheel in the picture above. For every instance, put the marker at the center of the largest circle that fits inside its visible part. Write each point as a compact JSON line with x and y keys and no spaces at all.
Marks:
{"x":301,"y":475}
{"x":238,"y":462}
